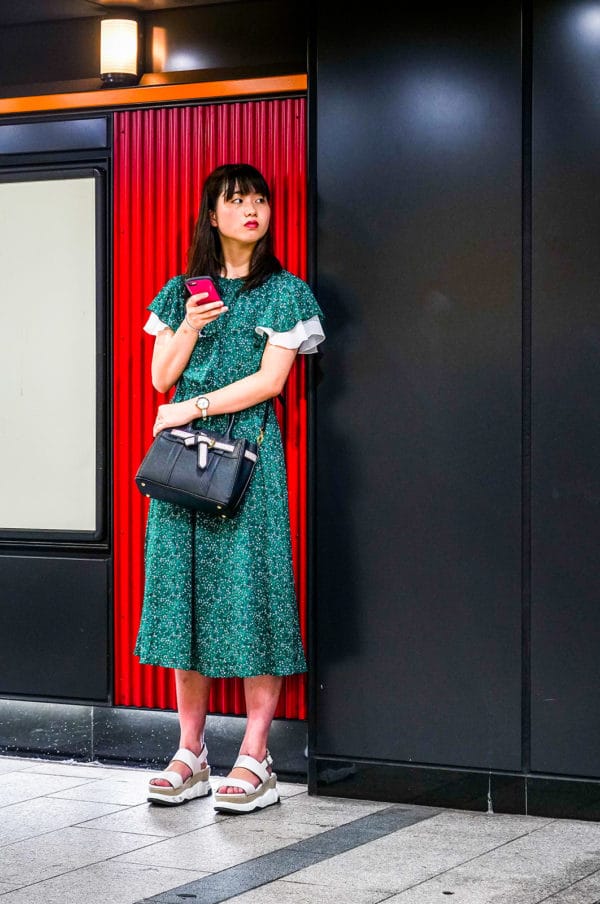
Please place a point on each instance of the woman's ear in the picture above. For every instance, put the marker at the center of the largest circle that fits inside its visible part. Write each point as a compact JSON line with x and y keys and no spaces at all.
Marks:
{"x":212,"y":218}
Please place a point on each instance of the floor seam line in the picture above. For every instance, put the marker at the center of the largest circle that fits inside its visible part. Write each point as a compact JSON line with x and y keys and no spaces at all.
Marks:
{"x":571,"y":885}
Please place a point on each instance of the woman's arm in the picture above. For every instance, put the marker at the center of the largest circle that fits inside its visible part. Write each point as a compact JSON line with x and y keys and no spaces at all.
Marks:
{"x":266,"y":383}
{"x":172,"y":350}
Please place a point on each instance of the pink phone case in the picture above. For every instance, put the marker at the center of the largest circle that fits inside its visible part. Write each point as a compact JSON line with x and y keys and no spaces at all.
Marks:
{"x":197,"y":284}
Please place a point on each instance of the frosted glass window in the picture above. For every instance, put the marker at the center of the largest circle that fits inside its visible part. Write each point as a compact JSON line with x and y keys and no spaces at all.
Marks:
{"x":48,"y":355}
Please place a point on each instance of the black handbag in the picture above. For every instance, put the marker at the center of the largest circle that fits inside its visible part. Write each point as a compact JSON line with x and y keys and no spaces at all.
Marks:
{"x":200,"y":469}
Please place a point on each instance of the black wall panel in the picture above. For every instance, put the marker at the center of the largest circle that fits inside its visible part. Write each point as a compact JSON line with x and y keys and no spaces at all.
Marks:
{"x":255,"y":34}
{"x":418,"y":612}
{"x":54,"y":637}
{"x":565,"y":389}
{"x":49,"y":51}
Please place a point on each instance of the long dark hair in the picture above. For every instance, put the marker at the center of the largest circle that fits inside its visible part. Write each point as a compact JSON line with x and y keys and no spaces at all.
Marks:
{"x":205,"y":255}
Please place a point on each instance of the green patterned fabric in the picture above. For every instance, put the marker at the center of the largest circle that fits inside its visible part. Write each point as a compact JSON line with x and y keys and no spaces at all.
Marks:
{"x":219,"y":594}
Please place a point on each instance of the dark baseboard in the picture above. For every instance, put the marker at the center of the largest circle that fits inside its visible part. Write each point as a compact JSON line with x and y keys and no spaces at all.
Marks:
{"x":534,"y":795}
{"x":148,"y":737}
{"x":135,"y":737}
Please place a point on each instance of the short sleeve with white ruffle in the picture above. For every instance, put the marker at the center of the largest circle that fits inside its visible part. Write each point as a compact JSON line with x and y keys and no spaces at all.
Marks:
{"x":292,"y":318}
{"x":167,"y":308}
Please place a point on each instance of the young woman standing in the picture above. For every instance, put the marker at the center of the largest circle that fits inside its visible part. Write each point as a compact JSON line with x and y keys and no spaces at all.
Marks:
{"x":219,"y":595}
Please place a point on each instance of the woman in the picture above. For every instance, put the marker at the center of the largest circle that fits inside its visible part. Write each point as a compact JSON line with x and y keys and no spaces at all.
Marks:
{"x":219,"y":598}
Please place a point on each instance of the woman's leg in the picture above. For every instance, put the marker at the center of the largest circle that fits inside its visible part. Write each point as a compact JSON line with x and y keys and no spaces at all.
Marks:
{"x":192,"y":703}
{"x":262,"y":696}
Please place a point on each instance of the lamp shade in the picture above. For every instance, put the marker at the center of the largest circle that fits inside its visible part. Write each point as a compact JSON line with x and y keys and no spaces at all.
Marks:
{"x":119,"y":51}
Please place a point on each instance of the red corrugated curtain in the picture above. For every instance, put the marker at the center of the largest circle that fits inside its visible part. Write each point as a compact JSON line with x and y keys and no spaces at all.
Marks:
{"x":161,"y":158}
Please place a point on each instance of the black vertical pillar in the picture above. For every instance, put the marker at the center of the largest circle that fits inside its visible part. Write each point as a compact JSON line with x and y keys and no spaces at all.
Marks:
{"x":566,"y":369}
{"x":417,"y":654}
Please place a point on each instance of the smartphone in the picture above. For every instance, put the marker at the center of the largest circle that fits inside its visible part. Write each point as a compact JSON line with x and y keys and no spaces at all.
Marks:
{"x":197,"y":284}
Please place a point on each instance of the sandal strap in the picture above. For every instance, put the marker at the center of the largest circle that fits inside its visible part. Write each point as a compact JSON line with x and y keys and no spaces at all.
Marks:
{"x":242,"y":783}
{"x":174,"y":779}
{"x":259,"y":769}
{"x":193,"y":762}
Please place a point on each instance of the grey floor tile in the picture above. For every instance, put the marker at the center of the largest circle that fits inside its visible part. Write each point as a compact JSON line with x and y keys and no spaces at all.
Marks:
{"x":417,"y":853}
{"x":114,"y":790}
{"x":36,"y":817}
{"x":86,"y":770}
{"x":18,"y":786}
{"x":530,"y":869}
{"x":585,"y":891}
{"x":496,"y":825}
{"x":228,"y":841}
{"x":290,"y":789}
{"x":102,"y":883}
{"x":13,"y":764}
{"x":288,"y":891}
{"x":36,"y":859}
{"x":318,"y":812}
{"x":167,"y":822}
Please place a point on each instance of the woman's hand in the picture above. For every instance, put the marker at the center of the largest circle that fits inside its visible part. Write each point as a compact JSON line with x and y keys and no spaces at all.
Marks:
{"x":173,"y":349}
{"x":174,"y":414}
{"x":198,"y":312}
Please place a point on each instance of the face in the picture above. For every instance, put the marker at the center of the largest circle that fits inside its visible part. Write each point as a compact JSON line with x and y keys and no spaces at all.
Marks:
{"x":243,"y":218}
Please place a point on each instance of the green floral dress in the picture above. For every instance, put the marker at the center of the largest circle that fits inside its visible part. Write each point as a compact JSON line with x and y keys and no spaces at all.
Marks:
{"x":219,"y":593}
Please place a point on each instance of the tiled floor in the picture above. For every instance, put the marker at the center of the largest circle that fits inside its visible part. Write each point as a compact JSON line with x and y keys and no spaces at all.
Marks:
{"x":84,"y":834}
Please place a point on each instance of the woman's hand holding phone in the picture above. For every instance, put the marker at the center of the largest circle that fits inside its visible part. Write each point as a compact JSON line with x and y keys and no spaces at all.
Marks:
{"x":204,"y":303}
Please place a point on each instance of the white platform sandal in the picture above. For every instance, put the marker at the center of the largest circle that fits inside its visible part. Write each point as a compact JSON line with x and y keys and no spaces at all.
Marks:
{"x":251,"y":798}
{"x":197,"y":785}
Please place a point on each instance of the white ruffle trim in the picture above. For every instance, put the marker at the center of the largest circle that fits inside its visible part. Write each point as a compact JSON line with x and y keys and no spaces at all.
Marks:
{"x":154,"y":325}
{"x":305,"y":336}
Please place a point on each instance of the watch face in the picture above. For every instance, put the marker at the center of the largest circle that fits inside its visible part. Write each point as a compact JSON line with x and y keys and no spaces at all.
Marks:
{"x":202,"y":403}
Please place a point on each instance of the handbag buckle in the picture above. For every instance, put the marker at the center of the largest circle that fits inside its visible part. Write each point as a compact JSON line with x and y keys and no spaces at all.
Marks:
{"x":204,"y":444}
{"x":202,"y":453}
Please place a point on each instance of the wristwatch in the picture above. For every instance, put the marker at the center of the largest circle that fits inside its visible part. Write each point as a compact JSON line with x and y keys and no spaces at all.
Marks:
{"x":202,"y":403}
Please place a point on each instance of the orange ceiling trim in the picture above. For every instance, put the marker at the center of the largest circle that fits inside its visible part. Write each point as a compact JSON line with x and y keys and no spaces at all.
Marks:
{"x":118,"y":97}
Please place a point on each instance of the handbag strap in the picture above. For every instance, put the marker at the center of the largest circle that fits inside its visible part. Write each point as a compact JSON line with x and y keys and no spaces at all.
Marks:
{"x":261,"y":432}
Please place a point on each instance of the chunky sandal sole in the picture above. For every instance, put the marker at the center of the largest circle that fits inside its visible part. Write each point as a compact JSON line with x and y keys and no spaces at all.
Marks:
{"x":169,"y":797}
{"x":224,"y":803}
